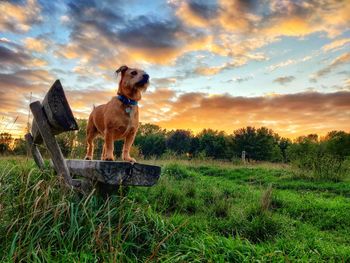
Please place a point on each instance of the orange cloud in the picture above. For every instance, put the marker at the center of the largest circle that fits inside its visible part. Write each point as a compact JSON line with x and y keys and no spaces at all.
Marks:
{"x":340,"y":60}
{"x":289,"y":26}
{"x":34,"y":44}
{"x":19,"y":18}
{"x":297,"y":114}
{"x":230,"y":28}
{"x":290,"y":115}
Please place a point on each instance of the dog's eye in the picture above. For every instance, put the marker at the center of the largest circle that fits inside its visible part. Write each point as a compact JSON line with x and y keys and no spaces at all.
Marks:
{"x":133,"y":73}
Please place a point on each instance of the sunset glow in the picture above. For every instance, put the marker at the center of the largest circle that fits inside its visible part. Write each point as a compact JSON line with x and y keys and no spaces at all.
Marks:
{"x":223,"y":64}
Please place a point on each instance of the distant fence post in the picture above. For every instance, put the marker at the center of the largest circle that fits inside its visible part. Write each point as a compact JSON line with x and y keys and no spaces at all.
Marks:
{"x":243,"y":156}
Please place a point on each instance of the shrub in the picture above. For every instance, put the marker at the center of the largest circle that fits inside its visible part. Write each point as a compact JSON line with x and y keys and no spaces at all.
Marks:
{"x":314,"y":162}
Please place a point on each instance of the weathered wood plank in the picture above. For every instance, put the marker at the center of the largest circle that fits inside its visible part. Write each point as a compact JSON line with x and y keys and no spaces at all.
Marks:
{"x":50,"y":142}
{"x":35,"y":152}
{"x":115,"y":173}
{"x":57,"y":111}
{"x":82,"y":185}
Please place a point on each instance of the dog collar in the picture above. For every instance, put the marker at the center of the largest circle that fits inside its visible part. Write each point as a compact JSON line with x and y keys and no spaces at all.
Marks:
{"x":126,"y":100}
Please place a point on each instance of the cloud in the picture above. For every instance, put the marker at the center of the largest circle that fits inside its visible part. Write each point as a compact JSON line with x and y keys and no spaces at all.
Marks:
{"x":11,"y":57}
{"x":241,"y":27}
{"x":163,"y":82}
{"x":347,"y":84}
{"x":131,"y":40}
{"x":241,"y":79}
{"x":289,"y":62}
{"x":336,"y":44}
{"x":297,"y":114}
{"x":197,"y":13}
{"x":19,"y":17}
{"x":21,"y":73}
{"x":99,"y":36}
{"x":231,"y":28}
{"x":301,"y":18}
{"x":16,"y":58}
{"x":284,"y":80}
{"x":207,"y":71}
{"x":144,"y":32}
{"x":337,"y":62}
{"x":35,"y":44}
{"x":15,"y":90}
{"x":204,"y":9}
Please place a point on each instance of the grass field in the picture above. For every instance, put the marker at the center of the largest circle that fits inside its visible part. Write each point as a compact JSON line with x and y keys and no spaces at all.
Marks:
{"x":200,"y":212}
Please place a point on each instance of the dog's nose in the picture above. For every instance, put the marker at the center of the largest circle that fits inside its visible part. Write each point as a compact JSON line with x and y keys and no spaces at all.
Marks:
{"x":146,"y":77}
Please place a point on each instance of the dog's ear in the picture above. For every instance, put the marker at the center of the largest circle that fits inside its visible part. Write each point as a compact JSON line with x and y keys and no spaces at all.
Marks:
{"x":122,"y":69}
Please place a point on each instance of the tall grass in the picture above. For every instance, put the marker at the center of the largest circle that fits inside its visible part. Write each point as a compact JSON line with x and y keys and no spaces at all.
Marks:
{"x":43,"y":221}
{"x":199,"y":213}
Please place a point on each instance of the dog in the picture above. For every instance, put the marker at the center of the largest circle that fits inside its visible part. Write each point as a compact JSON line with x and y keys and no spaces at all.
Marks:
{"x":119,"y":118}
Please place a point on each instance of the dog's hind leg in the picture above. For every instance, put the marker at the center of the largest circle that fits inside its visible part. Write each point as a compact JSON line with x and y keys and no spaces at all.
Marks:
{"x":91,"y":133}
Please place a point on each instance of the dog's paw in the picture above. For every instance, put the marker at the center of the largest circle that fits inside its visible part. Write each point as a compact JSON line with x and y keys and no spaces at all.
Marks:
{"x":108,"y":158}
{"x":129,"y":159}
{"x":87,"y":158}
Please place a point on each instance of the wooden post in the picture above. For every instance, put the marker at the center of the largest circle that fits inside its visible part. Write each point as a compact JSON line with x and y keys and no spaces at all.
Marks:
{"x":35,"y":151}
{"x":57,"y":112}
{"x":50,"y":142}
{"x":243,"y":156}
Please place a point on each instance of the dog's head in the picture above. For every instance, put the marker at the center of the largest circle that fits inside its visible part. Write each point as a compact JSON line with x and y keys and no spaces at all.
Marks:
{"x":132,"y":82}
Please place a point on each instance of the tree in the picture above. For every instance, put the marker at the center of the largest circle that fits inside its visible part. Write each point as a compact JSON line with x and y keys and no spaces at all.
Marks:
{"x":283,"y":144}
{"x":214,"y":144}
{"x":66,"y":142}
{"x":150,"y":139}
{"x":20,"y":147}
{"x":259,"y":144}
{"x":179,"y":141}
{"x":313,"y":138}
{"x":265,"y":144}
{"x":79,"y":141}
{"x":5,"y":142}
{"x":244,"y":139}
{"x":194,"y":146}
{"x":152,"y":145}
{"x":148,"y":128}
{"x":338,"y":143}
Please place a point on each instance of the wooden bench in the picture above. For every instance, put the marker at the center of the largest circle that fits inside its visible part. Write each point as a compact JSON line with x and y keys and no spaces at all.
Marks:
{"x":54,"y":116}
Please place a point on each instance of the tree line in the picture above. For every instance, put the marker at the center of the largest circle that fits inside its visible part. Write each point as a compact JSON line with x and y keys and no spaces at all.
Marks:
{"x":260,"y":144}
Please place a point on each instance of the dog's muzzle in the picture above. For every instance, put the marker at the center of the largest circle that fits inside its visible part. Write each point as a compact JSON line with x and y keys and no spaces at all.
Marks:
{"x":143,"y":81}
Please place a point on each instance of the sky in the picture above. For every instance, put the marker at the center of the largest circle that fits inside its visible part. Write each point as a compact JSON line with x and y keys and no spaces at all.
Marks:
{"x":224,"y":65}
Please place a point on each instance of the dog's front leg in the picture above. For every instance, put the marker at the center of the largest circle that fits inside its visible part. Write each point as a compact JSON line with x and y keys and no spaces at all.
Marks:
{"x":103,"y":155}
{"x":108,"y":146}
{"x":129,"y":139}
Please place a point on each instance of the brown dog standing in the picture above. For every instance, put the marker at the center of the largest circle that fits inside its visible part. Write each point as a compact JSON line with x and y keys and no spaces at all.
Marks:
{"x":119,"y":118}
